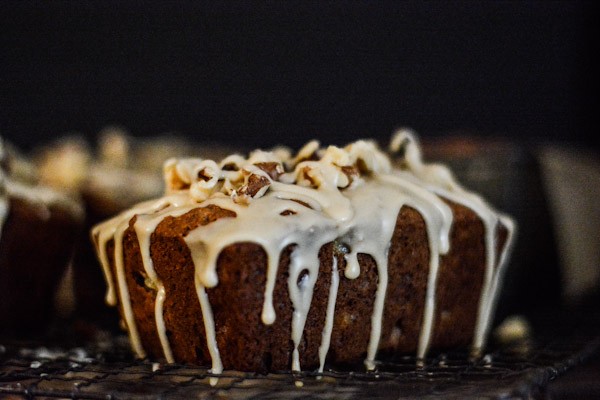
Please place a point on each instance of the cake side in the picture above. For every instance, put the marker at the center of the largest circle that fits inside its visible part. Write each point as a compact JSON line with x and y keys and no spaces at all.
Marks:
{"x":334,"y":239}
{"x":247,"y":344}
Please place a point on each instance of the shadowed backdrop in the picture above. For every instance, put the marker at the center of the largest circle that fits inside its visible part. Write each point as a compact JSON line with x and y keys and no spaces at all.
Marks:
{"x":285,"y":72}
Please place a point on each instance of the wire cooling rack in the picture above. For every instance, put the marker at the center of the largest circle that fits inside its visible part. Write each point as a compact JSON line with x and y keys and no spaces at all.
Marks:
{"x":105,"y":369}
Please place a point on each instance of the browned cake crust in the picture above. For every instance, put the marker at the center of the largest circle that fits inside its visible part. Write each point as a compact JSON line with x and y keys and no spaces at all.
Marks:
{"x":35,"y":248}
{"x":247,"y":344}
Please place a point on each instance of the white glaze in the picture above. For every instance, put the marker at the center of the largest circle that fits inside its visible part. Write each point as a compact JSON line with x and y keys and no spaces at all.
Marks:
{"x":145,"y":225}
{"x":114,"y":228}
{"x":3,"y":194}
{"x":439,"y":179}
{"x":331,"y":300}
{"x":359,"y":212}
{"x":209,"y":327}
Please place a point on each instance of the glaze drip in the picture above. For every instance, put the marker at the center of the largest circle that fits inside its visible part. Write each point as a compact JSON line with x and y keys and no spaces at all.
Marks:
{"x":350,"y":196}
{"x":3,"y":194}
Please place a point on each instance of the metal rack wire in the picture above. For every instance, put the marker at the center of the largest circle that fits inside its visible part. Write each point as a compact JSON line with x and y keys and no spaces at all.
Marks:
{"x":105,"y":369}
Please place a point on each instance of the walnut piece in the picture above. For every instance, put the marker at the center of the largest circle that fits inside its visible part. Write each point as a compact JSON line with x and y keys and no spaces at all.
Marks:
{"x":273,"y":169}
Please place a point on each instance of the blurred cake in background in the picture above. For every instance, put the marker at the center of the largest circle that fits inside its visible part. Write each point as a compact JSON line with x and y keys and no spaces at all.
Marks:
{"x":38,"y":228}
{"x":110,"y":176}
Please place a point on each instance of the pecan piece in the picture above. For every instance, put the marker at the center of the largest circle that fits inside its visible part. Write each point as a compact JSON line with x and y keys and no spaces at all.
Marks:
{"x":273,"y":169}
{"x":255,"y":186}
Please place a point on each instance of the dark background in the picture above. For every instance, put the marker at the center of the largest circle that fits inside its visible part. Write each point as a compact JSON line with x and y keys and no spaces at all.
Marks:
{"x":286,"y":72}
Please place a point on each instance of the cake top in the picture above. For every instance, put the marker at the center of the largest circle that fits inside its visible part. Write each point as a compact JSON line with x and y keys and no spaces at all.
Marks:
{"x":350,"y":196}
{"x":314,"y":173}
{"x":313,"y":169}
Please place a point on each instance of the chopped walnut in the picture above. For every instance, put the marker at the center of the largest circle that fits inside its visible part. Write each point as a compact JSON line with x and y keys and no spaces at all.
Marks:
{"x":273,"y":169}
{"x":256,"y":185}
{"x":327,"y":170}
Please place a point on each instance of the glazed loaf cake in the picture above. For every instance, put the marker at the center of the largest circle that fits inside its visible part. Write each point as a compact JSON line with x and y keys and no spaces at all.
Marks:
{"x":274,"y":262}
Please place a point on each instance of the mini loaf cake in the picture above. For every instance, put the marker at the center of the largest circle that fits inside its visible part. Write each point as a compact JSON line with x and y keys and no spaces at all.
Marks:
{"x":38,"y":228}
{"x":274,"y":262}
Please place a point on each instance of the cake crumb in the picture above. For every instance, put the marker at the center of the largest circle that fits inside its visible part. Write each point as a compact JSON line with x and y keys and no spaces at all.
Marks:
{"x":514,"y":328}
